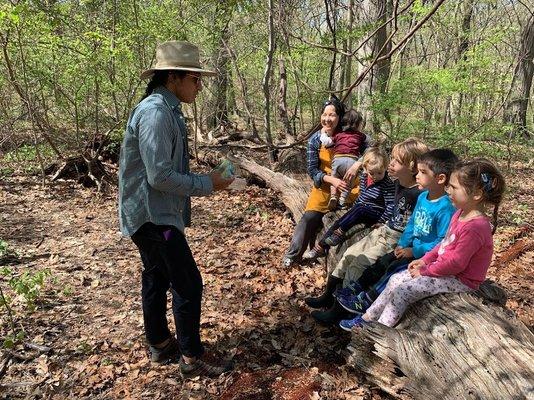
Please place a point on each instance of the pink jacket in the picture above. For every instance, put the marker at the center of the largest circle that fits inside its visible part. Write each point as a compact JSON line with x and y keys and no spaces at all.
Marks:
{"x":465,"y":252}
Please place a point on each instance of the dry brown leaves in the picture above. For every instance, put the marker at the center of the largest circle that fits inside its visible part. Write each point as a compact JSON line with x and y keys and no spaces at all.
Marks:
{"x":90,"y":314}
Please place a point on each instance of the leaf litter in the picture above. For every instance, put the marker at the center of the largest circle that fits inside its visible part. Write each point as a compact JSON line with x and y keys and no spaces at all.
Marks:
{"x":89,"y":314}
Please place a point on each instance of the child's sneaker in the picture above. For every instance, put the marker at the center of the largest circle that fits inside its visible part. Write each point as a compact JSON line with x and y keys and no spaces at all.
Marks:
{"x":287,"y":262}
{"x":349,"y":324}
{"x":357,"y":304}
{"x":335,"y":238}
{"x":351,"y":289}
{"x":314,"y":254}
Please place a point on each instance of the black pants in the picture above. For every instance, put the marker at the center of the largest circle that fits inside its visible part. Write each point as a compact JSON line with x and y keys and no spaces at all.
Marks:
{"x":305,"y":234}
{"x":169,"y":264}
{"x":384,"y":265}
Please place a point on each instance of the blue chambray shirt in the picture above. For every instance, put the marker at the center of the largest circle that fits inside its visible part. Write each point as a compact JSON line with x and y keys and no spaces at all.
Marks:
{"x":155,"y":184}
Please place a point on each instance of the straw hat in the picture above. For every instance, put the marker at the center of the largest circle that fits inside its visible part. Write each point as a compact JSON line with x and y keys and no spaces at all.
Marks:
{"x":174,"y":55}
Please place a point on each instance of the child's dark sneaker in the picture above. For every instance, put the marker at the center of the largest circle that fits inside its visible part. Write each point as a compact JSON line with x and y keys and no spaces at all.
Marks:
{"x":204,"y":368}
{"x":335,"y":238}
{"x":351,"y":289}
{"x":356,"y":304}
{"x":349,"y":324}
{"x":166,"y":354}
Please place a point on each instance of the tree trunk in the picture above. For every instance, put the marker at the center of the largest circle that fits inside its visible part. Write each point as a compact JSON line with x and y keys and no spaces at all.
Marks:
{"x":219,"y":89}
{"x":244,"y":92}
{"x":373,"y":12}
{"x":266,"y":83}
{"x":516,"y":110}
{"x":451,"y":346}
{"x":282,"y":103}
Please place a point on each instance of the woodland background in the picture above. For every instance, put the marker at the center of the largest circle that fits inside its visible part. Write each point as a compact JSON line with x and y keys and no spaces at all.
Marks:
{"x":455,"y":73}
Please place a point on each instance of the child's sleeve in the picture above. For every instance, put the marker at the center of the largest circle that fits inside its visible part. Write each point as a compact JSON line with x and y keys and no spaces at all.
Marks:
{"x":389,"y":200}
{"x":443,"y":219}
{"x":313,"y":161}
{"x":454,"y":261}
{"x":432,"y":255}
{"x":363,"y":181}
{"x":406,"y":238}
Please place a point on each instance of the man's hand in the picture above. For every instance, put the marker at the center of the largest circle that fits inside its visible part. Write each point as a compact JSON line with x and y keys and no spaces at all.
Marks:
{"x":414,"y":268}
{"x":219,"y":183}
{"x":403,"y":252}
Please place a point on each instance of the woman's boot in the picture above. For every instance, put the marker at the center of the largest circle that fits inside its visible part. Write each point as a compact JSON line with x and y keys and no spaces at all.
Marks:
{"x":326,"y":299}
{"x":332,"y":316}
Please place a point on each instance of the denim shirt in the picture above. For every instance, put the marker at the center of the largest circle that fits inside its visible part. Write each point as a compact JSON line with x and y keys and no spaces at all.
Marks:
{"x":155,"y":184}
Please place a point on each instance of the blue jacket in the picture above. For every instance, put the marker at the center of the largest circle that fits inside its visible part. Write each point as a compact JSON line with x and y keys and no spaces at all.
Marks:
{"x":428,"y":224}
{"x":155,"y":184}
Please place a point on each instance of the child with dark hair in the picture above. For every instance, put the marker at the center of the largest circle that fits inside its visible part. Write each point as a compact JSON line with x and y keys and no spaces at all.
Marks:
{"x":381,"y":240}
{"x":427,"y":227}
{"x":460,"y":262}
{"x":349,"y":144}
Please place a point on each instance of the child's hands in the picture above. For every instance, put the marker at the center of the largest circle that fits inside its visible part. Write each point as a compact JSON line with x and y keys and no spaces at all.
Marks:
{"x":414,"y":268}
{"x":403,"y":252}
{"x":418,"y":264}
{"x":339,"y":184}
{"x":376,"y":226}
{"x":352,"y":171}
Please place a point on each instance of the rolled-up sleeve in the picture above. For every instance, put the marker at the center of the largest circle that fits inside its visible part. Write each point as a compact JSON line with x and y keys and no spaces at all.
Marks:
{"x":156,"y":132}
{"x":313,"y":161}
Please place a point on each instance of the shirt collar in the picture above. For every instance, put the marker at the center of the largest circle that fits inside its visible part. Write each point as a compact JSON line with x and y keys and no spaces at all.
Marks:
{"x":170,"y":98}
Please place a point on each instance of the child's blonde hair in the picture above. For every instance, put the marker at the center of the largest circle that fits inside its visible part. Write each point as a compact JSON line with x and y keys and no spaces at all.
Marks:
{"x":409,"y":151}
{"x":375,"y":158}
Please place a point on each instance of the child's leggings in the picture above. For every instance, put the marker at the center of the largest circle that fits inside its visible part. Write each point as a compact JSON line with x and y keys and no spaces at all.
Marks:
{"x":403,"y":290}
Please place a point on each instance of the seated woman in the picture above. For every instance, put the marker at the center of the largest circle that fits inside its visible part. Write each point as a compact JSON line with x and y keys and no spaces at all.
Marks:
{"x":320,"y":157}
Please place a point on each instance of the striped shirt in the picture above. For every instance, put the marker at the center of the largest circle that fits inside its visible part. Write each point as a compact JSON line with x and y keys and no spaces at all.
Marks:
{"x":378,"y":195}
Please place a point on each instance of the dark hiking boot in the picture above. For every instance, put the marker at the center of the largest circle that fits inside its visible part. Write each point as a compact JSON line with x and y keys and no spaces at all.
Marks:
{"x":326,"y":299}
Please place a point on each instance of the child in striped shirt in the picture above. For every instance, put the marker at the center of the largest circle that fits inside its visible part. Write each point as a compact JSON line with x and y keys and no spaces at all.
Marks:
{"x":374,"y":205}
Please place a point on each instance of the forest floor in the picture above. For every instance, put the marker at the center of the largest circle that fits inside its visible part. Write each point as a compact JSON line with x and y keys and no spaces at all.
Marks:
{"x":88,"y":312}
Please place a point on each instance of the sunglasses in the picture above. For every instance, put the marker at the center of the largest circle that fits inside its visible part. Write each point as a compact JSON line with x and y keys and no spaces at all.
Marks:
{"x":198,"y":78}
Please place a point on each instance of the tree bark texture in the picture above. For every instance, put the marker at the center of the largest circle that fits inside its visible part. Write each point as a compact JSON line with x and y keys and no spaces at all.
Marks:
{"x":373,"y":12}
{"x":266,"y":83}
{"x":451,"y":346}
{"x":516,"y":109}
{"x":282,"y":103}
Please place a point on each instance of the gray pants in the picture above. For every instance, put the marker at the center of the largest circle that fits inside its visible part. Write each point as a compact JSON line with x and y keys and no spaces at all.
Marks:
{"x":305,"y":234}
{"x":340,"y":166}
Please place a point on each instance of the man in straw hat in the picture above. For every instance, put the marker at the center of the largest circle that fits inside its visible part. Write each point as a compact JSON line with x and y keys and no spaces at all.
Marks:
{"x":155,"y":186}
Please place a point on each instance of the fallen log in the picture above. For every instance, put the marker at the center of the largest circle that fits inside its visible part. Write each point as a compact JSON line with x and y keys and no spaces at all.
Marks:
{"x":451,"y":346}
{"x":455,"y":346}
{"x":294,"y":194}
